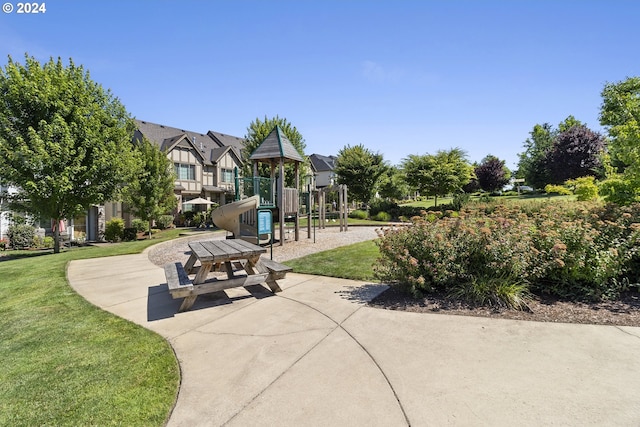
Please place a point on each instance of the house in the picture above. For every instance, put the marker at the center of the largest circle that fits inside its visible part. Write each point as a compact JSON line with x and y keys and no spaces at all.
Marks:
{"x":323,"y":169}
{"x":5,"y":213}
{"x":204,"y":165}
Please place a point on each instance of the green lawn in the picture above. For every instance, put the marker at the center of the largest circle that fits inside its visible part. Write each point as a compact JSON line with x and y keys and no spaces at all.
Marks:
{"x":524,"y":198}
{"x":349,"y":262}
{"x":66,"y":362}
{"x":336,"y":223}
{"x":428,"y":202}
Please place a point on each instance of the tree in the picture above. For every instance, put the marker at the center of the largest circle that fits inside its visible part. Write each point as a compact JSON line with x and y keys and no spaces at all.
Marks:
{"x":531,"y":166}
{"x":576,"y":152}
{"x":150,"y":193}
{"x":391,"y":184}
{"x":620,"y":114}
{"x":534,"y":164}
{"x":492,"y":174}
{"x":65,"y":142}
{"x":257,"y":131}
{"x":438,"y":175}
{"x":360,"y":170}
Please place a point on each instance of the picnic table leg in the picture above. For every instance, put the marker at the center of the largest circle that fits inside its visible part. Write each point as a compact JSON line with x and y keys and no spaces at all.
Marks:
{"x":202,"y":273}
{"x":229,"y":268}
{"x":187,"y":303}
{"x":251,"y":267}
{"x":190,"y":263}
{"x":273,"y":285}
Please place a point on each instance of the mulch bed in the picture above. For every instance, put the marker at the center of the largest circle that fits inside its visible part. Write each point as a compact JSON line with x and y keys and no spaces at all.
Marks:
{"x":622,"y":312}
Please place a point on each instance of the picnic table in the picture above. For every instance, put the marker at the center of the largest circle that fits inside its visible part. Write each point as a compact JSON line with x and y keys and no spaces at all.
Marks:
{"x":229,"y":256}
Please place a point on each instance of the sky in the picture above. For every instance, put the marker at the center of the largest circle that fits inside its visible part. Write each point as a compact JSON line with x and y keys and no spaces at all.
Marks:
{"x":399,"y":77}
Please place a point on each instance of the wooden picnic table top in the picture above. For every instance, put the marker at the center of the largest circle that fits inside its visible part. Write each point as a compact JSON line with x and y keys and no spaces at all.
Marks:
{"x":225,"y":250}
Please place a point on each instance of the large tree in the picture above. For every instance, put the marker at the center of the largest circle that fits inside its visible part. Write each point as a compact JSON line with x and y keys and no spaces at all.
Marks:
{"x":543,"y":145}
{"x":150,"y":192}
{"x":576,"y":152}
{"x":620,"y":114}
{"x":360,"y":169}
{"x":65,"y":142}
{"x":392,"y":185}
{"x":436,"y":175}
{"x":492,"y":174}
{"x":532,"y":167}
{"x":257,"y":131}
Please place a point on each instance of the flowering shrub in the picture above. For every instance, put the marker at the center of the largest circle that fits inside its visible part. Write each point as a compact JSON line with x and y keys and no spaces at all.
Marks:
{"x":498,"y":254}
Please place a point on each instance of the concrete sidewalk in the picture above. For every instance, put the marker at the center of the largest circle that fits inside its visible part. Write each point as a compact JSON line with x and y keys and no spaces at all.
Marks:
{"x":315,"y":354}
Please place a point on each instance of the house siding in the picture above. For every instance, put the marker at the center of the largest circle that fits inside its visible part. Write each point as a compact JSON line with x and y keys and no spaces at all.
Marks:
{"x":188,"y":156}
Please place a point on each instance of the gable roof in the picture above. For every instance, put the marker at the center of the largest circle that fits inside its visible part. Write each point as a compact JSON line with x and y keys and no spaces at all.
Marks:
{"x":227,"y":140}
{"x":321,"y":163}
{"x":276,"y":146}
{"x":210,"y":146}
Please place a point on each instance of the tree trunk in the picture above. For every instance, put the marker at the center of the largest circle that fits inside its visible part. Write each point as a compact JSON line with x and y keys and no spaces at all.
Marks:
{"x":56,"y":237}
{"x":150,"y":223}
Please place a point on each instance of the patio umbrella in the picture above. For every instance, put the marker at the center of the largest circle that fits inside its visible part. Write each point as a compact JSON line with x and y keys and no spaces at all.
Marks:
{"x":198,"y":201}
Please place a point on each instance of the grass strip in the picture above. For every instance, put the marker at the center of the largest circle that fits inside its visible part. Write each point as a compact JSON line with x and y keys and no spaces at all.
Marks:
{"x":349,"y":262}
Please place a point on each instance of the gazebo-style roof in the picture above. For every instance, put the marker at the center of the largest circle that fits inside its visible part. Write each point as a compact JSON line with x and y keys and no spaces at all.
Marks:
{"x":276,"y":146}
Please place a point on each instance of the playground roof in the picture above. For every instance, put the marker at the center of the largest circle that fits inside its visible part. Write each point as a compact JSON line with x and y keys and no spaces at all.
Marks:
{"x":276,"y":146}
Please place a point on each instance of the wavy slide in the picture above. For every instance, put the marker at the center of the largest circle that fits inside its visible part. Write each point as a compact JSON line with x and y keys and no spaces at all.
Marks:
{"x":227,"y":217}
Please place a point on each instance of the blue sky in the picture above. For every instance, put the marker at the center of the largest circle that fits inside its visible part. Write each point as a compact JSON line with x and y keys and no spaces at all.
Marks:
{"x":400,"y":77}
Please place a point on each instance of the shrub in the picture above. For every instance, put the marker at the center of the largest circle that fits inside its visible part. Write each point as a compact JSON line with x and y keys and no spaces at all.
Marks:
{"x":114,"y":228}
{"x":21,"y":235}
{"x":496,"y":254}
{"x":37,"y":242}
{"x":460,"y":200}
{"x":199,"y":219}
{"x":164,"y":221}
{"x":140,"y":225}
{"x":48,"y":242}
{"x":381,"y":205}
{"x":358,"y":214}
{"x":129,"y":234}
{"x":585,"y":188}
{"x":382,"y":216}
{"x":188,"y":218}
{"x":556,"y":189}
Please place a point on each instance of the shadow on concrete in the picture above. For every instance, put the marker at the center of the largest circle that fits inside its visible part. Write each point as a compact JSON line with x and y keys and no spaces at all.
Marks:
{"x":363,"y":293}
{"x":160,"y":305}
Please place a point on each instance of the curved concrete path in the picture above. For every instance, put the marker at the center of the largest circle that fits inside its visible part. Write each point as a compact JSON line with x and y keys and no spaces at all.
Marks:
{"x":315,"y":354}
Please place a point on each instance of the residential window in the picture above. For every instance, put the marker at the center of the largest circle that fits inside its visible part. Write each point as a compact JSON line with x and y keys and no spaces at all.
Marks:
{"x":227,"y":175}
{"x":185,"y":172}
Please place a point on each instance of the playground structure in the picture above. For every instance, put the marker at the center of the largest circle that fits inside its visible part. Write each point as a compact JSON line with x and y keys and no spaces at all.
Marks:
{"x":260,"y":194}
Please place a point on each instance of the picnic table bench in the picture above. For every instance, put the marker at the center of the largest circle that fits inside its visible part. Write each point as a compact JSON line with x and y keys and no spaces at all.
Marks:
{"x":230,"y":256}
